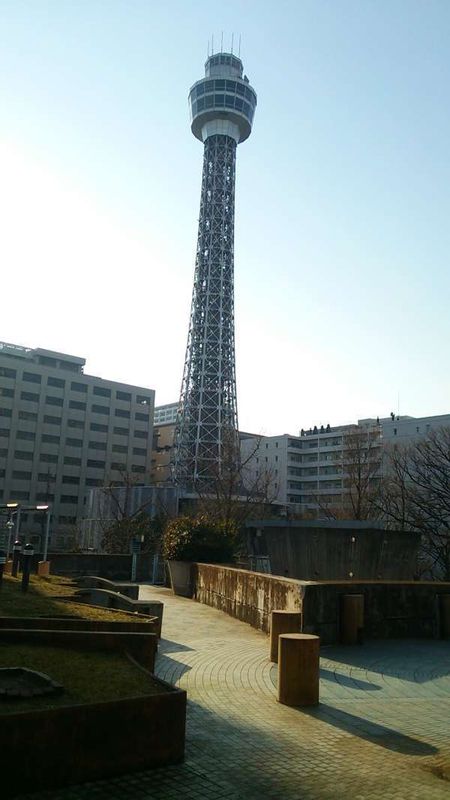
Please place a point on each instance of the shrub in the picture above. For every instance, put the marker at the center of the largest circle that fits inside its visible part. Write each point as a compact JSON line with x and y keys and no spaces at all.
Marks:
{"x":197,"y":539}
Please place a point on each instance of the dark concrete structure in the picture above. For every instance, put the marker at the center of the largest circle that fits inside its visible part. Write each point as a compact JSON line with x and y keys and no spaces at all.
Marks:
{"x":391,"y":609}
{"x":334,"y":550}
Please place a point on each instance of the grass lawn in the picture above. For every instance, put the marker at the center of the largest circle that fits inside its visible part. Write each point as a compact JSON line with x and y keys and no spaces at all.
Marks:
{"x":42,"y":599}
{"x":87,"y":677}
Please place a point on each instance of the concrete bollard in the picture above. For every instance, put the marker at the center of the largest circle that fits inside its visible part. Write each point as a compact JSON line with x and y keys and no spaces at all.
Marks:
{"x":298,"y":669}
{"x":444,"y":609}
{"x":43,"y":569}
{"x":282,"y":622}
{"x":352,"y":619}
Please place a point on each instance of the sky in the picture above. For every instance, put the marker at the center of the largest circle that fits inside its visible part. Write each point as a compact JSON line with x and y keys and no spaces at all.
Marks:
{"x":342,"y":197}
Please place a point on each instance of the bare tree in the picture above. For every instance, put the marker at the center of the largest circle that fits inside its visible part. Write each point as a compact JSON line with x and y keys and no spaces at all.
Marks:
{"x":416,"y":496}
{"x":237,"y":490}
{"x":122,"y":519}
{"x":360,"y":463}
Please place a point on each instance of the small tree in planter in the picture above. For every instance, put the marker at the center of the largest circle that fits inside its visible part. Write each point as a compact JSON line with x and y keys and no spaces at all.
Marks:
{"x":189,"y":539}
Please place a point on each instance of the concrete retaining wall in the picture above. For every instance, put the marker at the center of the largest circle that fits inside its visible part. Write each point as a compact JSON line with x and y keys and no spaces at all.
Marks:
{"x":142,"y":646}
{"x":392,"y":609}
{"x":105,"y":565}
{"x":248,"y":596}
{"x":74,"y":744}
{"x":95,"y":582}
{"x":115,"y":600}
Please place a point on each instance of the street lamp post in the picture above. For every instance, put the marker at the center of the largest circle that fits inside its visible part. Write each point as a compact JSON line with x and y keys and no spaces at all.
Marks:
{"x":135,"y":549}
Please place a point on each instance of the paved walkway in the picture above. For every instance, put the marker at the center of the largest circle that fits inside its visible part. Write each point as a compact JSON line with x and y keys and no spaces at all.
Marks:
{"x":382,"y":729}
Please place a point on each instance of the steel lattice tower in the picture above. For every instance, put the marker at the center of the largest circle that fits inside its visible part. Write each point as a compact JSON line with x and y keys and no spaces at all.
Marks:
{"x":222,"y":108}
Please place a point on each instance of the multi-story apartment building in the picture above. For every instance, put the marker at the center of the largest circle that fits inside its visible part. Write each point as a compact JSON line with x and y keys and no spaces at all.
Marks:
{"x":162,"y":446}
{"x":308,"y":472}
{"x":63,"y":432}
{"x":405,"y":429}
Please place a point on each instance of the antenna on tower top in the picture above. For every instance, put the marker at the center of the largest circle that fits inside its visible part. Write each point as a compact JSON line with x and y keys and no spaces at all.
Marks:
{"x":239,"y":45}
{"x":221,"y":43}
{"x":232,"y":42}
{"x":212,"y":45}
{"x":208,"y":50}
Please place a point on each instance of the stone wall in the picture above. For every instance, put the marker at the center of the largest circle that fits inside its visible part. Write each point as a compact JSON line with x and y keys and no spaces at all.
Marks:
{"x":392,"y":609}
{"x":104,"y":565}
{"x":248,"y":596}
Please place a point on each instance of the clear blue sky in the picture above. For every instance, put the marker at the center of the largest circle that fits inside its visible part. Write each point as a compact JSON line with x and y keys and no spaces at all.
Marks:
{"x":343,"y":197}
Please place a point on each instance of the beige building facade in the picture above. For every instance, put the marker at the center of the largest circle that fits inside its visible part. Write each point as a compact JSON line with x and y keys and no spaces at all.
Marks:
{"x":63,"y":432}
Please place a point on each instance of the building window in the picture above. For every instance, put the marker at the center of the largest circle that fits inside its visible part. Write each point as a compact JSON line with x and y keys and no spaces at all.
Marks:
{"x":54,"y":401}
{"x":4,"y":432}
{"x":142,"y":400}
{"x":119,"y":467}
{"x":79,"y":387}
{"x":97,"y":464}
{"x":71,"y":479}
{"x":45,"y":477}
{"x":51,"y":420}
{"x":47,"y":498}
{"x":102,"y":392}
{"x":139,"y":451}
{"x":5,"y":412}
{"x":119,"y":448}
{"x":74,"y":442}
{"x":69,"y":498}
{"x":31,"y":377}
{"x":76,"y":404}
{"x":7,"y":392}
{"x":123,"y":396}
{"x":33,"y":398}
{"x":121,"y":431}
{"x":6,"y":372}
{"x":100,"y":409}
{"x":56,"y":382}
{"x":21,"y":475}
{"x":21,"y":495}
{"x":48,"y":437}
{"x":141,"y":434}
{"x":137,"y":468}
{"x":72,"y":461}
{"x":67,"y":520}
{"x":28,"y":435}
{"x":97,"y":445}
{"x":23,"y":455}
{"x":139,"y":415}
{"x":93,"y":481}
{"x":395,"y":431}
{"x":50,"y":458}
{"x":119,"y":412}
{"x":76,"y":423}
{"x":96,"y":426}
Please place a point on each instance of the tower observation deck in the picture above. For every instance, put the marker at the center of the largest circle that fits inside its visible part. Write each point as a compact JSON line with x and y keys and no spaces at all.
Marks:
{"x":222,"y":107}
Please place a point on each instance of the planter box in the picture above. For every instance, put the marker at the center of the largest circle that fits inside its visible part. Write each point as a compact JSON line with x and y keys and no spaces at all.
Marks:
{"x":74,"y":744}
{"x":181,"y":577}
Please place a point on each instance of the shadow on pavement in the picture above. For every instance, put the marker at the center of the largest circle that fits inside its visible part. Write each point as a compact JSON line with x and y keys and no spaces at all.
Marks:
{"x":348,"y":681}
{"x":372,"y":731}
{"x":415,"y":661}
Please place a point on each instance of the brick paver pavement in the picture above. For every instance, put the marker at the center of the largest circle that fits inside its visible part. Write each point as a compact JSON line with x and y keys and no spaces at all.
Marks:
{"x":381,"y":732}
